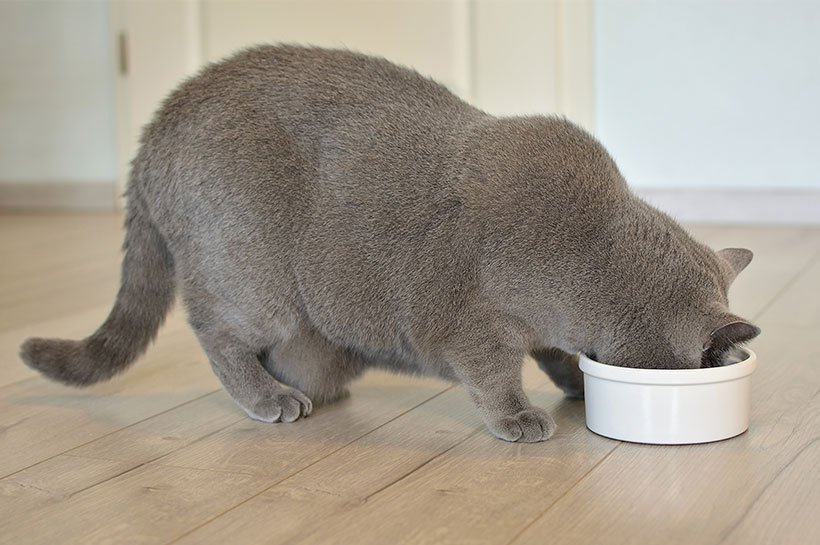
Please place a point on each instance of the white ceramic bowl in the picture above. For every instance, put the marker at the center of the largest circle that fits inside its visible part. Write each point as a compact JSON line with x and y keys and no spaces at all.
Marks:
{"x":668,"y":406}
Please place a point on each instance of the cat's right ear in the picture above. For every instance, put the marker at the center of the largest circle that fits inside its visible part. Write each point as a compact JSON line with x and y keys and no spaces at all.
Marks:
{"x":737,"y":259}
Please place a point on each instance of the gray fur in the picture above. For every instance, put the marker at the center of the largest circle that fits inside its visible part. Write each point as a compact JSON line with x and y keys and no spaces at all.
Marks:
{"x":322,"y":212}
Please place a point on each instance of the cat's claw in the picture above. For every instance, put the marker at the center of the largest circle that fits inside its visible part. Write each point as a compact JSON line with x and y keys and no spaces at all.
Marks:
{"x":286,"y":405}
{"x":528,"y":426}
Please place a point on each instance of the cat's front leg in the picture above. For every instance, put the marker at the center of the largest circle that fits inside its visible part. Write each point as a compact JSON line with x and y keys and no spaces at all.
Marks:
{"x":491,"y":374}
{"x":562,"y":367}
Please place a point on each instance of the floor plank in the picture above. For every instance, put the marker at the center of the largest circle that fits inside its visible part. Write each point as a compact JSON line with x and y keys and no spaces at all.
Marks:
{"x":49,"y":483}
{"x":147,"y":505}
{"x":350,"y":476}
{"x":710,"y":487}
{"x":41,"y":419}
{"x":162,"y":455}
{"x":258,"y":448}
{"x":347,"y":477}
{"x":55,"y":265}
{"x":800,"y":305}
{"x":59,"y":478}
{"x":481,"y":491}
{"x":659,"y":504}
{"x":261,"y":453}
{"x":786,"y":510}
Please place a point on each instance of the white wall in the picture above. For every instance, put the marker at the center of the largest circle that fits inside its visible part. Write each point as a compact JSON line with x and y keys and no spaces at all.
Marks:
{"x":56,"y":93}
{"x":505,"y":56}
{"x":514,"y":56}
{"x":430,"y":35}
{"x":710,"y":94}
{"x":686,"y":94}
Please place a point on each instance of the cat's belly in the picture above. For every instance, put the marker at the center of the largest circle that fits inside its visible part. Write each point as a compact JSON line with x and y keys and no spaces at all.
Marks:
{"x":354,"y":309}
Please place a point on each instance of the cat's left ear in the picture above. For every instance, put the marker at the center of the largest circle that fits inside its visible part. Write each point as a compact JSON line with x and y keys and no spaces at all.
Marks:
{"x":737,"y":259}
{"x":729,"y":331}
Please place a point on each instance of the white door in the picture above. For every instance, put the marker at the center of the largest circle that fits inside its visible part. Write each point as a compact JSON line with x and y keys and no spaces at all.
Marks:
{"x":506,"y":56}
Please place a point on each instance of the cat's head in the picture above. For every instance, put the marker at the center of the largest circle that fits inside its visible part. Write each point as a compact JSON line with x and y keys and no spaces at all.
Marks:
{"x":606,"y":273}
{"x":662,"y":302}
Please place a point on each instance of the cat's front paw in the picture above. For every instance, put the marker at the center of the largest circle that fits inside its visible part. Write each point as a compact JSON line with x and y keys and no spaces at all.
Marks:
{"x":528,"y":426}
{"x":284,"y":405}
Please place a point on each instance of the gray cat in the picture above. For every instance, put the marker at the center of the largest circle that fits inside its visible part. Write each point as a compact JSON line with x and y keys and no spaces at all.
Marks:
{"x":322,"y":212}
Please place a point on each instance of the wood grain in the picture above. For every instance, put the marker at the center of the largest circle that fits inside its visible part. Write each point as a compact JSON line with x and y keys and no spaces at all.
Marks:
{"x":162,"y":455}
{"x":710,"y":487}
{"x":348,"y":478}
{"x":732,"y":478}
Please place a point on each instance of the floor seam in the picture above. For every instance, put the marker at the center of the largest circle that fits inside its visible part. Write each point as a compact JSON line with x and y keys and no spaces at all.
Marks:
{"x":109,"y":433}
{"x":768,"y":485}
{"x":280,"y":481}
{"x":788,"y":285}
{"x":563,"y":495}
{"x":136,"y":466}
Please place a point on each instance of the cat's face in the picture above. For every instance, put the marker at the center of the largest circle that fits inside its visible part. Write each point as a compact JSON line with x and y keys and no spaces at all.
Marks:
{"x":669,"y":309}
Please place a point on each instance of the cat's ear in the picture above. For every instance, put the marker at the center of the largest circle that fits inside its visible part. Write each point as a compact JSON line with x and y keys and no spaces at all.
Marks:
{"x":730,"y":331}
{"x":737,"y":258}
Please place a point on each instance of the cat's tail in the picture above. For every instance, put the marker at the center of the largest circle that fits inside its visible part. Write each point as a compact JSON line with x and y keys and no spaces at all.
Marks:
{"x":146,"y":294}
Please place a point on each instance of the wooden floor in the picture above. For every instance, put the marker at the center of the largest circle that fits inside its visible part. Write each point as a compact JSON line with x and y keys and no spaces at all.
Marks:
{"x":161,"y":455}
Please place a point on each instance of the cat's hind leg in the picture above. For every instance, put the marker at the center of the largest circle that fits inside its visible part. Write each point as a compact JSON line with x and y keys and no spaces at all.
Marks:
{"x":312,"y":364}
{"x":236,"y":363}
{"x":562,"y":368}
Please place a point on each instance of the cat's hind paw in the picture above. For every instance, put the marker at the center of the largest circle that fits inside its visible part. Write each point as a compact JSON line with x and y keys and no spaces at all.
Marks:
{"x":285,"y":405}
{"x":528,"y":426}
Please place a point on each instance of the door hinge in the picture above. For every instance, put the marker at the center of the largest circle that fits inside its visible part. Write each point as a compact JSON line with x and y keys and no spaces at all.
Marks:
{"x":122,"y":53}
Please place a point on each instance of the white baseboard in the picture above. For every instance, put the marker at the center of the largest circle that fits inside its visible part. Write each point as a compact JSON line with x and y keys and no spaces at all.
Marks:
{"x":737,"y":206}
{"x":58,"y":195}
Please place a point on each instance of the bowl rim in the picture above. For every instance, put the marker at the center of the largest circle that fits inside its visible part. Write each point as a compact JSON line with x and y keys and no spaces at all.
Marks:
{"x":673,"y":377}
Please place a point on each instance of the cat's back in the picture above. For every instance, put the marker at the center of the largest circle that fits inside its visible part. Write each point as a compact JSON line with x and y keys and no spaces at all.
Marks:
{"x":287,"y":166}
{"x":310,"y":109}
{"x":266,"y":132}
{"x":303,"y":89}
